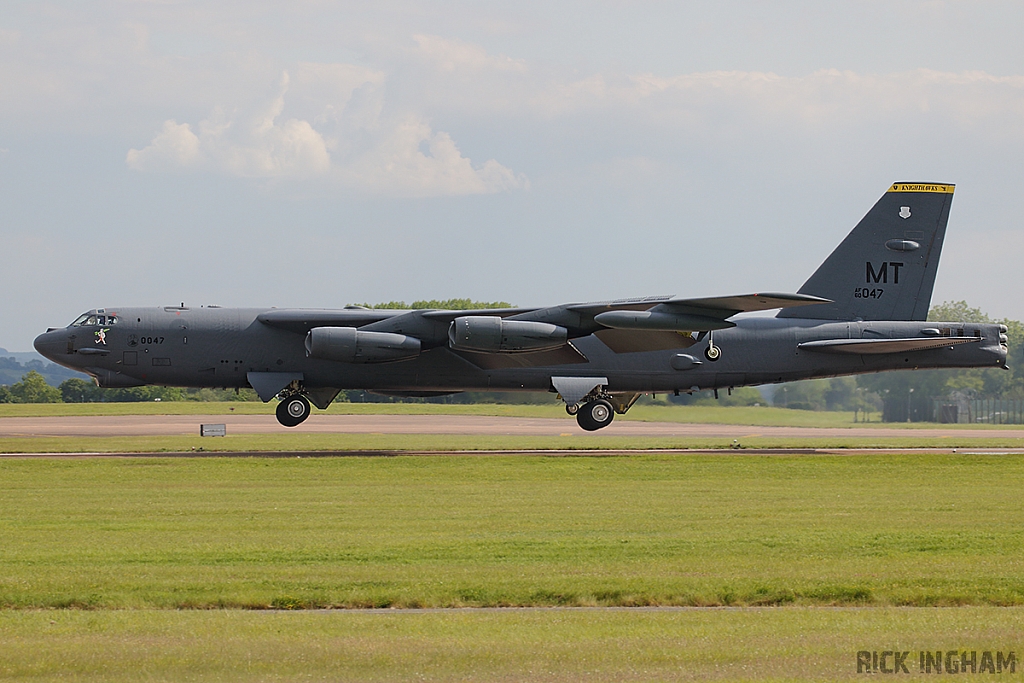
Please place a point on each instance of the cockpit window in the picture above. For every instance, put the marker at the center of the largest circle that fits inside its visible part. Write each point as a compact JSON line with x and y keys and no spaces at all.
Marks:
{"x":88,"y":319}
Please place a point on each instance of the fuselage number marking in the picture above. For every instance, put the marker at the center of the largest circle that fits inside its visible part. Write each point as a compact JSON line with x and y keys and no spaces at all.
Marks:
{"x":151,"y":340}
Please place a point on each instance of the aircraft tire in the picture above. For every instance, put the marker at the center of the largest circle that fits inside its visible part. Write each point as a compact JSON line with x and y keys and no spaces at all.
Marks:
{"x":293,"y":411}
{"x":713,"y":353}
{"x":595,"y":415}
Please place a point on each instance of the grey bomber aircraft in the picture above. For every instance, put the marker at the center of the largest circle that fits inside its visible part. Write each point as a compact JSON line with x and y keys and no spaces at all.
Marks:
{"x":862,"y":311}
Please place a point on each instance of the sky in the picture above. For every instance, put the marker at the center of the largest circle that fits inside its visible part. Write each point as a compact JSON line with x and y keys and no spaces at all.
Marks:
{"x":318,"y":154}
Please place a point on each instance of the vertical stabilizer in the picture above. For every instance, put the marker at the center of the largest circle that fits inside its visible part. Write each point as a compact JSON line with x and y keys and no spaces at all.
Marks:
{"x":885,"y":268}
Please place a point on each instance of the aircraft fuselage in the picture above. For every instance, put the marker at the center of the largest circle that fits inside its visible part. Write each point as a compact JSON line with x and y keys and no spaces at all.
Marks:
{"x":219,"y":347}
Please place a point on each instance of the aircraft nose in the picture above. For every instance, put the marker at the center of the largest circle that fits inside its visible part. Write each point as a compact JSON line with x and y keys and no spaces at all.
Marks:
{"x":51,"y":343}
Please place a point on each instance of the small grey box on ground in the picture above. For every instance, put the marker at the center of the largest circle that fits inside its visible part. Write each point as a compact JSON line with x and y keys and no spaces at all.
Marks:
{"x":213,"y":430}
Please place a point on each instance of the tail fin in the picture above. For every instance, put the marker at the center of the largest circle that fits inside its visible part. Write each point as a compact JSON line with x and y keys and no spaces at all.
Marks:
{"x":885,"y":268}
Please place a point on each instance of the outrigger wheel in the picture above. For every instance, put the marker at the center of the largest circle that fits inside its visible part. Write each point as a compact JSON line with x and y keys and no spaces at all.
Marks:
{"x":594,"y":415}
{"x":293,"y":410}
{"x":712,"y":353}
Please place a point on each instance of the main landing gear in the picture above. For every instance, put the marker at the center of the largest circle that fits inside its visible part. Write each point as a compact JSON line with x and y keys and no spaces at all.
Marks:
{"x":292,"y":410}
{"x":598,"y":409}
{"x":593,"y":415}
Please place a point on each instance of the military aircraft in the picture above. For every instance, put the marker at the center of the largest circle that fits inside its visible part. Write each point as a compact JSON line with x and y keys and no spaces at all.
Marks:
{"x":862,"y":311}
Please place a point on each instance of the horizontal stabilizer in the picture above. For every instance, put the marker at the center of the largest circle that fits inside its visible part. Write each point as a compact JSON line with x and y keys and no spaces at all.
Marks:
{"x":873,"y":346}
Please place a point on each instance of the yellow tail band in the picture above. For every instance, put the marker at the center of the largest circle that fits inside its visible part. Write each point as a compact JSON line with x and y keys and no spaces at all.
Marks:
{"x":922,"y":187}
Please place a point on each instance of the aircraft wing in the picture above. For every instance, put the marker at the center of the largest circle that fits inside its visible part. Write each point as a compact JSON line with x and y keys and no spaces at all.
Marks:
{"x":304,"y":319}
{"x":670,"y":314}
{"x":442,"y":315}
{"x":745,"y":303}
{"x":740,"y":303}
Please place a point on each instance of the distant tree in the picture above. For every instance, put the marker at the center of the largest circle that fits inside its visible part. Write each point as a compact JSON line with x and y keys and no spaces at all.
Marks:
{"x":33,"y":389}
{"x":141,"y":394}
{"x":76,"y":390}
{"x":808,"y":394}
{"x":80,"y":391}
{"x":910,"y":394}
{"x":740,"y":396}
{"x":208,"y":394}
{"x":442,"y":304}
{"x":957,"y":312}
{"x":5,"y":394}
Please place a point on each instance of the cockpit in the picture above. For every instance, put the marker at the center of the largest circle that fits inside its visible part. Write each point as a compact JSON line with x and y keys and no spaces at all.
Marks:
{"x":95,"y":318}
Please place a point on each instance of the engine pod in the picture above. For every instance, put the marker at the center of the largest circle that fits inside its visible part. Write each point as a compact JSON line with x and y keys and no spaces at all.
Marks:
{"x":350,"y":345}
{"x":492,"y":334}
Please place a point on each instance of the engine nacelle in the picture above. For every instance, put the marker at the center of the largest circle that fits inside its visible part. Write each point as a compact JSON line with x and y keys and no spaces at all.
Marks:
{"x":491,"y":334}
{"x":349,"y":345}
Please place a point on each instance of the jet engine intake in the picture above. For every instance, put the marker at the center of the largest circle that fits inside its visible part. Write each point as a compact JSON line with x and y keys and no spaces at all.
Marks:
{"x":349,"y":345}
{"x":491,"y":334}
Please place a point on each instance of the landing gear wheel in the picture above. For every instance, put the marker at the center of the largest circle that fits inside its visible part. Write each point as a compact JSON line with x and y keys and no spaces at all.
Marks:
{"x":572,"y":408}
{"x":595,"y":415}
{"x":712,"y":353}
{"x":293,"y":410}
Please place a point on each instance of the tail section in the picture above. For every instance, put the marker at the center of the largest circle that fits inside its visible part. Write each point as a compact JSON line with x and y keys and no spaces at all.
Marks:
{"x":885,"y":268}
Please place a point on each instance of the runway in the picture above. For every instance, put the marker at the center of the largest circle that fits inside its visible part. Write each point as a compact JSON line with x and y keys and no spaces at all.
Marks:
{"x":188,"y":425}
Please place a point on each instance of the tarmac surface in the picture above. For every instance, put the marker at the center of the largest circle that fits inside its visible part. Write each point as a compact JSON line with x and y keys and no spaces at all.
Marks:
{"x":188,"y":425}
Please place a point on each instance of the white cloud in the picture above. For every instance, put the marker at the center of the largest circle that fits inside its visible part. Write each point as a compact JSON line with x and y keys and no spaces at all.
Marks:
{"x":398,"y":165}
{"x":363,"y":149}
{"x":257,"y":145}
{"x":828,"y":90}
{"x":827,"y":97}
{"x":455,"y":55}
{"x":176,"y":146}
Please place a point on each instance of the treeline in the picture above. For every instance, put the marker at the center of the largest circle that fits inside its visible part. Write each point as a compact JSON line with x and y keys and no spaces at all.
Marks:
{"x":12,"y":371}
{"x":442,"y":304}
{"x":33,"y":388}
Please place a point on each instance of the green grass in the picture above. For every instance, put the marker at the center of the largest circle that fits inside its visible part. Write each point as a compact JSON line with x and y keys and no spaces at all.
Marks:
{"x":127,"y":568}
{"x":795,"y":644}
{"x":738,"y":415}
{"x":572,"y":439}
{"x":494,"y":531}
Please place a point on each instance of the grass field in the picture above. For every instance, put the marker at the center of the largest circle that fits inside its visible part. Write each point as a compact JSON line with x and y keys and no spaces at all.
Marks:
{"x":164,"y":568}
{"x":792,"y":644}
{"x":439,"y":531}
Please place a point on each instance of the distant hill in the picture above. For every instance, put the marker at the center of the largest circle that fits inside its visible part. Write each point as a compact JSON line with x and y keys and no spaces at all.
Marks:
{"x":13,"y":367}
